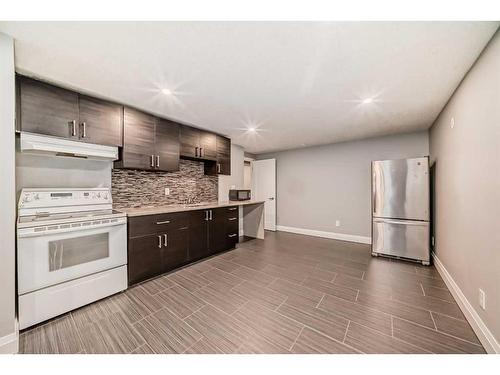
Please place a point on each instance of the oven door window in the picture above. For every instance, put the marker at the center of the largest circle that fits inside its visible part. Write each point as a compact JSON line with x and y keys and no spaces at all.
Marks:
{"x":75,"y":251}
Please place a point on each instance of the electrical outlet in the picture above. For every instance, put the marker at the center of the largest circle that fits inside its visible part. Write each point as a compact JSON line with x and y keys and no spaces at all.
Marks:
{"x":167,"y":191}
{"x":337,"y":223}
{"x":482,"y":299}
{"x":452,"y":122}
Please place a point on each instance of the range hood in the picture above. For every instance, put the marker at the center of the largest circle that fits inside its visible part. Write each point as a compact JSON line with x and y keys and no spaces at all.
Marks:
{"x":42,"y":144}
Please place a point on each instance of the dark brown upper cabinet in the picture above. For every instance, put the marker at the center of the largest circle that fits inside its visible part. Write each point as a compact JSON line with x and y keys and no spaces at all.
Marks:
{"x":222,"y":164}
{"x":100,"y":121}
{"x":198,"y":144}
{"x":50,"y":110}
{"x":149,"y":143}
{"x":46,"y":109}
{"x":167,"y":146}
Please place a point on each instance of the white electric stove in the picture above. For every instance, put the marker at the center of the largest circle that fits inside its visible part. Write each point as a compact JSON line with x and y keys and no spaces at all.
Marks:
{"x":71,"y":251}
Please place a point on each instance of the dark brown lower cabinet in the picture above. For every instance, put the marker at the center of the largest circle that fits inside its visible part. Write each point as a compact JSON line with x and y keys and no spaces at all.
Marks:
{"x":161,"y":243}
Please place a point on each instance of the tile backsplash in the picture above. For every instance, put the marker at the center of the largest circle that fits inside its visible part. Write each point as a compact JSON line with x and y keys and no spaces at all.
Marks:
{"x":133,"y":188}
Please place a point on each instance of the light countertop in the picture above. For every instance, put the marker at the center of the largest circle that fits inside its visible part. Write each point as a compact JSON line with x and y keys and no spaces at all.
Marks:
{"x":154,"y":210}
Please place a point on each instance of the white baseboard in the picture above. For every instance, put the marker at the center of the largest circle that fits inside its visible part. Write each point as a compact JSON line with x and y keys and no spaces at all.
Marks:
{"x":9,"y":344}
{"x":319,"y":233}
{"x":484,"y":335}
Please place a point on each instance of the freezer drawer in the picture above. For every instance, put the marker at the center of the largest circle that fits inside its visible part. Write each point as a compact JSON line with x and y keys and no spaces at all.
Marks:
{"x":401,"y":238}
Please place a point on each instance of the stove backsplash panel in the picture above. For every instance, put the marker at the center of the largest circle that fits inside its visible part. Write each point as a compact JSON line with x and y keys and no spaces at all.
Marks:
{"x":133,"y":188}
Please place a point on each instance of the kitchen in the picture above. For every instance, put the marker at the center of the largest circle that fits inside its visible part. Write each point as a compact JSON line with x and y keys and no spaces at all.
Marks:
{"x":152,"y":221}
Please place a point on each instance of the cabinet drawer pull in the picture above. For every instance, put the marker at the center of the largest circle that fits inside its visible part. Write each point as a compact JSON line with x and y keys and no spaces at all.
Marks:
{"x":201,"y":151}
{"x":232,"y":235}
{"x":232,"y":208}
{"x":159,"y":242}
{"x":218,"y":168}
{"x":183,"y":228}
{"x":163,"y":222}
{"x":232,"y":218}
{"x":165,"y":240}
{"x":196,"y":151}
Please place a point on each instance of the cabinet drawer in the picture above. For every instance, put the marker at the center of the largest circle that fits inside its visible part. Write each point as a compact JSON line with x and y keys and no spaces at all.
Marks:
{"x":232,"y":225}
{"x":231,"y":211}
{"x":151,"y":224}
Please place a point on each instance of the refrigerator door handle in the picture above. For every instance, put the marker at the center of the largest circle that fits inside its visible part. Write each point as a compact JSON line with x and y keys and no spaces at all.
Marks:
{"x":400,"y":222}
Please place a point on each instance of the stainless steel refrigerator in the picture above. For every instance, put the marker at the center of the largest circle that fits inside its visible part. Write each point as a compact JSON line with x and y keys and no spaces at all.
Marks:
{"x":400,"y":209}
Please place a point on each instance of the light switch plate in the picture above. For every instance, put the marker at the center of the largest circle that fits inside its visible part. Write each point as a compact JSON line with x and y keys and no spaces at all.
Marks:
{"x":167,"y":191}
{"x":482,"y":299}
{"x":337,"y":223}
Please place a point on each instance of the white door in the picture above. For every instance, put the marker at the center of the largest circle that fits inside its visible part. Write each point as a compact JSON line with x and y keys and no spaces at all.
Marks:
{"x":264,"y":189}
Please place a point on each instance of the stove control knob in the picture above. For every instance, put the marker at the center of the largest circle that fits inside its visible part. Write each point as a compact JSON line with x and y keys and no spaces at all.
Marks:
{"x":98,"y":195}
{"x":37,"y":196}
{"x":27,"y":198}
{"x":106,"y":196}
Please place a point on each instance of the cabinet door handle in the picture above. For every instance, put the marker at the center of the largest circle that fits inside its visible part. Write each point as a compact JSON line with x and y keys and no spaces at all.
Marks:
{"x":84,"y":130}
{"x":152,"y":160}
{"x":218,"y":168}
{"x":201,"y":151}
{"x":163,"y":222}
{"x":232,"y":235}
{"x":159,"y":242}
{"x":206,"y":215}
{"x":196,"y":151}
{"x":211,"y":215}
{"x":73,"y":127}
{"x":165,"y":240}
{"x":158,"y":161}
{"x":231,"y":218}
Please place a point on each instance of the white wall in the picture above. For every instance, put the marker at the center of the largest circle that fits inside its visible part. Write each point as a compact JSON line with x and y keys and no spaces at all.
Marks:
{"x":236,"y":177}
{"x":467,"y":188}
{"x":8,"y":334}
{"x":318,"y":185}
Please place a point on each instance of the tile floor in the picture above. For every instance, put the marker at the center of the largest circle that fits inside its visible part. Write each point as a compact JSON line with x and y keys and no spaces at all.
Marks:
{"x":286,"y":294}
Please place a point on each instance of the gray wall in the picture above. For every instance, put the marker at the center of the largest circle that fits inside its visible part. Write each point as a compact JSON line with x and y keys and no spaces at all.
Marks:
{"x":318,"y":185}
{"x":236,"y":177}
{"x":467,"y":187}
{"x":8,"y":337}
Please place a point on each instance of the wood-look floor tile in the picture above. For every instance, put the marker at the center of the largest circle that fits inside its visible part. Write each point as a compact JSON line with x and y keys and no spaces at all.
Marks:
{"x":455,"y":327}
{"x":259,"y":294}
{"x":340,"y":269}
{"x":429,"y":271}
{"x":357,"y":313}
{"x":404,"y":278}
{"x":323,"y":321}
{"x":203,"y":346}
{"x":371,"y":341}
{"x":199,"y":267}
{"x":363,"y":286}
{"x":259,"y":345}
{"x":223,"y":265}
{"x":95,"y":311}
{"x":143,"y":349}
{"x":221,"y":277}
{"x":158,"y":285}
{"x":269,"y":324}
{"x":110,"y":335}
{"x":284,"y":273}
{"x":180,"y":301}
{"x":131,"y":309}
{"x":432,"y":340}
{"x":250,"y":262}
{"x":189,"y":280}
{"x":166,"y":333}
{"x":331,"y":288}
{"x":221,"y":297}
{"x":142,"y":298}
{"x":431,"y":304}
{"x":59,"y":336}
{"x":224,"y":331}
{"x":440,"y":293}
{"x":254,"y":276}
{"x":396,"y":308}
{"x":296,"y":292}
{"x":312,"y":342}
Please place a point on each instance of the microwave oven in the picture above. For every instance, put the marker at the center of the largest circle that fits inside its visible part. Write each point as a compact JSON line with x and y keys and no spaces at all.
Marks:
{"x":239,"y":195}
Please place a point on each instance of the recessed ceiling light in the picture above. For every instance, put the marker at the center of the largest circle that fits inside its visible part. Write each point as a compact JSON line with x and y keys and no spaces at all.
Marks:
{"x":166,"y":91}
{"x":252,"y":130}
{"x":367,"y":101}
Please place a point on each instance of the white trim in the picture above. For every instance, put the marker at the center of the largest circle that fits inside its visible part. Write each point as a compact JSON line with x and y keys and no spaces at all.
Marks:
{"x":9,"y":344}
{"x":319,"y":233}
{"x":484,"y":335}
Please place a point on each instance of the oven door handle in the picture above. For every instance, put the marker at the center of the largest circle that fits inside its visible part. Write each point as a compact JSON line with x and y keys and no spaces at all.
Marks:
{"x":30,"y":232}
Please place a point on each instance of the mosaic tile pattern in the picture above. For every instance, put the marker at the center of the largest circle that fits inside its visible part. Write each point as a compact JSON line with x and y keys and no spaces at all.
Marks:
{"x":133,"y":188}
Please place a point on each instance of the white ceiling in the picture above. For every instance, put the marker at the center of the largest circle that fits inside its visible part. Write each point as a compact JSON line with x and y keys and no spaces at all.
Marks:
{"x":299,"y":83}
